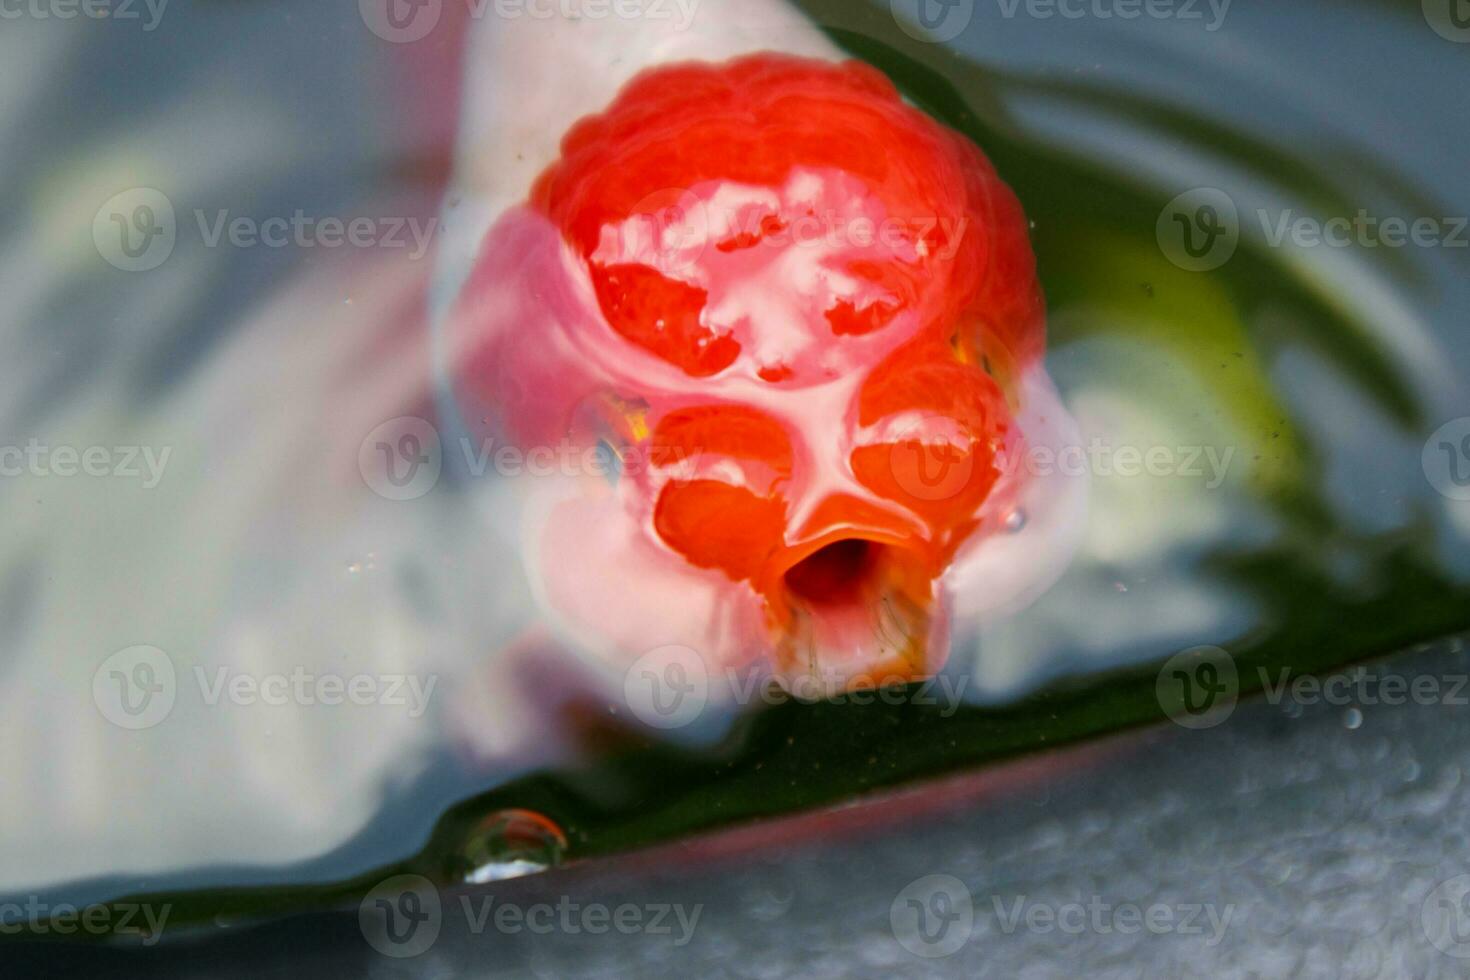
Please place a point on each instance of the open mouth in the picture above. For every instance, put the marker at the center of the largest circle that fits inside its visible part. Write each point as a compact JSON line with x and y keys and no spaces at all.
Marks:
{"x":837,"y":574}
{"x":855,"y":611}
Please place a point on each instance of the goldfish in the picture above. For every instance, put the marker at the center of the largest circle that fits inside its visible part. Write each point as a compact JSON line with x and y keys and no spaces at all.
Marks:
{"x":797,"y":323}
{"x":821,"y":489}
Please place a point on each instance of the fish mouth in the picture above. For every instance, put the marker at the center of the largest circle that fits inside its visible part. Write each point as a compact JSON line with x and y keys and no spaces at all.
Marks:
{"x":854,"y":610}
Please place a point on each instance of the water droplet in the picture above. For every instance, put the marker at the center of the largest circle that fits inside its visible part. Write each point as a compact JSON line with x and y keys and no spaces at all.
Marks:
{"x":1293,"y":708}
{"x":1352,"y":719}
{"x":1016,"y":522}
{"x":510,"y":844}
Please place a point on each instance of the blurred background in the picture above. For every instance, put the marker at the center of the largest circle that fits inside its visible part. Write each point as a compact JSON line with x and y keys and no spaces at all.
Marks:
{"x":221,"y":225}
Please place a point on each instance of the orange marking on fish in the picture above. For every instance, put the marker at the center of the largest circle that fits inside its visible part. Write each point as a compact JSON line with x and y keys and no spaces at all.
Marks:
{"x":817,"y":298}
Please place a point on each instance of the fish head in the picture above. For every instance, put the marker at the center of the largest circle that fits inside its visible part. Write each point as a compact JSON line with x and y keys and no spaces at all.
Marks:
{"x":797,"y":320}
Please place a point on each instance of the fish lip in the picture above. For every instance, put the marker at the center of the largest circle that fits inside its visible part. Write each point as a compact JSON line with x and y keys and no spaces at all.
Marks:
{"x":875,"y":524}
{"x":885,"y":630}
{"x":794,"y":554}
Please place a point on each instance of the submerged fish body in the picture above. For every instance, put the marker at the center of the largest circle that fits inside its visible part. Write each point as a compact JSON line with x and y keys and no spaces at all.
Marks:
{"x":783,"y":333}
